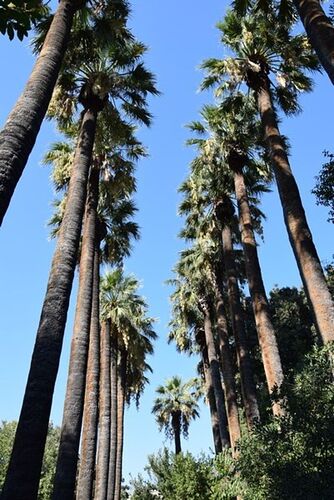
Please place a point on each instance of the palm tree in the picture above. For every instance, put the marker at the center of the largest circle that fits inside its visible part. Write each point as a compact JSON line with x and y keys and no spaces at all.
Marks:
{"x":175,"y":407}
{"x":203,"y":369}
{"x":111,"y":187}
{"x":192,"y":310}
{"x":318,"y":26}
{"x":18,"y":136}
{"x":90,"y":414}
{"x":234,"y":140}
{"x":263,"y":46}
{"x":203,"y":192}
{"x":131,"y":341}
{"x":32,"y":427}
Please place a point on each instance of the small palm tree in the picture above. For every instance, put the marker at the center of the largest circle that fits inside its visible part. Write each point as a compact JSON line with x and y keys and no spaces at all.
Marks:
{"x":175,"y":407}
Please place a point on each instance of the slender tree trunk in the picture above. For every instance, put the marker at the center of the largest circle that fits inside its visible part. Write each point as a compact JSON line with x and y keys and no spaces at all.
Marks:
{"x":113,"y":419}
{"x":25,"y":464}
{"x":65,"y":477}
{"x":300,"y":236}
{"x":121,"y":388}
{"x":90,"y":415}
{"x":320,"y":31}
{"x":244,"y":361}
{"x":212,"y":402}
{"x":101,"y":483}
{"x":18,"y":136}
{"x":215,"y":373}
{"x":267,"y":339}
{"x":227,"y":369}
{"x":176,"y":424}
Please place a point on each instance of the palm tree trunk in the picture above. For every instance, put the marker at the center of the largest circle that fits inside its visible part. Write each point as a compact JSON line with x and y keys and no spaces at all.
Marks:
{"x":227,"y":369}
{"x":215,"y":374}
{"x":244,"y":361}
{"x":101,"y":483}
{"x":212,"y":402}
{"x":64,"y":481}
{"x":90,"y":415}
{"x":18,"y":136}
{"x":113,"y":419}
{"x":121,"y":388}
{"x":320,"y":32}
{"x":25,"y":464}
{"x":265,"y":330}
{"x":300,"y":236}
{"x":176,"y":424}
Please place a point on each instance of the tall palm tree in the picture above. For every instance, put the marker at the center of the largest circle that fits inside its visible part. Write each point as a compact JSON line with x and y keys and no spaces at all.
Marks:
{"x":174,"y":408}
{"x":131,"y":340}
{"x":133,"y":89}
{"x":203,"y":192}
{"x":263,"y":46}
{"x":234,"y":138}
{"x":318,"y":26}
{"x":18,"y":136}
{"x":114,"y":186}
{"x":192,"y":310}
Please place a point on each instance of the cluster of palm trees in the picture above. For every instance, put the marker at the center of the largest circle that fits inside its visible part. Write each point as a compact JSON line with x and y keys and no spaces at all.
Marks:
{"x":239,"y":152}
{"x":91,"y":79}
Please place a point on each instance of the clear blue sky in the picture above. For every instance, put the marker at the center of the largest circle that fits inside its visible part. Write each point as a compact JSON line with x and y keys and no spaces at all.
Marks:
{"x":180,"y":34}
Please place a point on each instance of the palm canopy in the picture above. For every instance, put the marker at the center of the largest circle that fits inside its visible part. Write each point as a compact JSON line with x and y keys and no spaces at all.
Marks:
{"x":262,"y":46}
{"x":176,"y":396}
{"x":131,"y":326}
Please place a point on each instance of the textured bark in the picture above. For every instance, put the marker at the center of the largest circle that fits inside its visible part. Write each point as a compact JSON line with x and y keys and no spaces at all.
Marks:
{"x":320,"y":32}
{"x":227,"y":370}
{"x":101,"y":484}
{"x":64,"y":481}
{"x":121,"y":388}
{"x":265,"y":330}
{"x":176,"y":424}
{"x":248,"y":388}
{"x":215,"y":374}
{"x":18,"y":136}
{"x":212,"y":402}
{"x":319,"y":297}
{"x":90,"y":415}
{"x":113,"y":419}
{"x":26,"y":460}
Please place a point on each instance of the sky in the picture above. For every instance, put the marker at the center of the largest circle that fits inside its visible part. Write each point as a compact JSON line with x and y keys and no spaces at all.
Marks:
{"x":179,"y":35}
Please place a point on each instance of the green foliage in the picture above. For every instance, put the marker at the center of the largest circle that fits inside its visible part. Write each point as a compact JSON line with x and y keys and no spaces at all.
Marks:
{"x":7,"y":434}
{"x":324,"y":189}
{"x":293,"y":325}
{"x":175,"y":477}
{"x":179,"y":477}
{"x":18,"y":16}
{"x":293,"y":456}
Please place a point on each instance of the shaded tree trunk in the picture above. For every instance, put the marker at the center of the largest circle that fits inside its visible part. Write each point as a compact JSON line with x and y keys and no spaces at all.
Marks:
{"x":121,"y":388}
{"x":90,"y":415}
{"x":65,"y":477}
{"x":101,"y":483}
{"x":212,"y":402}
{"x":265,"y":330}
{"x":247,"y":382}
{"x":215,"y":374}
{"x":176,"y":424}
{"x":18,"y":136}
{"x":227,"y":369}
{"x":299,"y":233}
{"x":25,"y":465}
{"x":320,"y":32}
{"x":113,"y":419}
